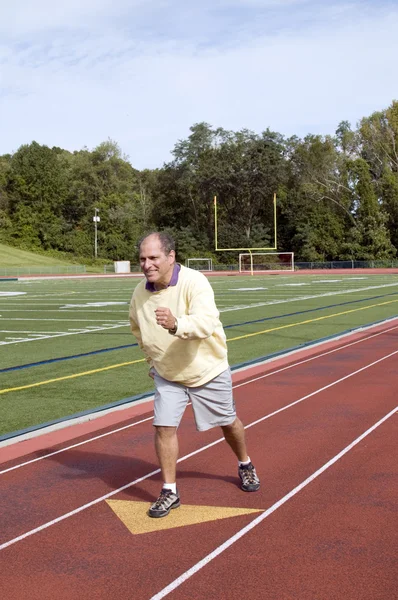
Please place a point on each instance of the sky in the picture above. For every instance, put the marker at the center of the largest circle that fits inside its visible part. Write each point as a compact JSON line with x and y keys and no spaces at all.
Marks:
{"x":75,"y":73}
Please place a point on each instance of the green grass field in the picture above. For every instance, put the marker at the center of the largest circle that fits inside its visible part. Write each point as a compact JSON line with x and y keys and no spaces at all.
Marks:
{"x":66,"y":347}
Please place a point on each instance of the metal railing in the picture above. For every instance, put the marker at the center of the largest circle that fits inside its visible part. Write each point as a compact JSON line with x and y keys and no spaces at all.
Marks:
{"x":348,"y":264}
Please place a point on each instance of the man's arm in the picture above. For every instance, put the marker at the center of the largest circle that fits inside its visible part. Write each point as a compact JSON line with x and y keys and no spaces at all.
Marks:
{"x":202,"y":318}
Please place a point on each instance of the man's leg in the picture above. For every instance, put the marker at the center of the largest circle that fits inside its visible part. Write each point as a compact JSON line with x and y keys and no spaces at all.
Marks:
{"x":235,"y":436}
{"x":213,"y":405}
{"x":166,"y":445}
{"x":170,"y":402}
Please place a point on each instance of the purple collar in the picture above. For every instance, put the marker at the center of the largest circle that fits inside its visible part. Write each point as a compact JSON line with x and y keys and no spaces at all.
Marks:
{"x":173,"y":281}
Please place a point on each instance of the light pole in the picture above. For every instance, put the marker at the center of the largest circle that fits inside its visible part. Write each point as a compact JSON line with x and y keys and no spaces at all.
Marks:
{"x":96,"y":220}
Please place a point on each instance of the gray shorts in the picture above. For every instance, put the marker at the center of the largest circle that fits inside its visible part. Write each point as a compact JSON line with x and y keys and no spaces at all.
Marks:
{"x":213,"y":404}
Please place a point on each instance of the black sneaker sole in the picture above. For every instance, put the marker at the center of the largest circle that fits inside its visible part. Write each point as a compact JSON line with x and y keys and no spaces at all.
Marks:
{"x":253,"y":488}
{"x":159,"y":515}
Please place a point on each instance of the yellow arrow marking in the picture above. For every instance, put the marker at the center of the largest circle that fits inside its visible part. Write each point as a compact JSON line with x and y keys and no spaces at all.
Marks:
{"x":134,"y":515}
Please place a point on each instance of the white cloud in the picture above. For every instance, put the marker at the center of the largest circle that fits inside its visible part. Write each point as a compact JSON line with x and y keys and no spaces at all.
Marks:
{"x":116,"y":69}
{"x":26,"y":17}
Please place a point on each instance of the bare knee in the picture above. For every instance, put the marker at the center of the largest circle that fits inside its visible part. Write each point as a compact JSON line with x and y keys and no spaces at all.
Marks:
{"x":232,"y":427}
{"x":165,"y":433}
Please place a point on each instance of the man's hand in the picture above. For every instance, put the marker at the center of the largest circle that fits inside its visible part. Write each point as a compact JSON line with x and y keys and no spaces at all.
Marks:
{"x":165,"y":318}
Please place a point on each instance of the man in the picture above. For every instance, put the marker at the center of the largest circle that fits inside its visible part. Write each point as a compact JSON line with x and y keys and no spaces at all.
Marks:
{"x":174,"y":317}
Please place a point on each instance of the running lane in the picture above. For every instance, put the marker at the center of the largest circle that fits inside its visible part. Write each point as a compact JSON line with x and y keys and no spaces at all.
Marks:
{"x":298,"y":419}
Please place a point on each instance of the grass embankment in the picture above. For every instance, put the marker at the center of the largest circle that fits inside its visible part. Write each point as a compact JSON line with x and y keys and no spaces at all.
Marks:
{"x":11,"y":257}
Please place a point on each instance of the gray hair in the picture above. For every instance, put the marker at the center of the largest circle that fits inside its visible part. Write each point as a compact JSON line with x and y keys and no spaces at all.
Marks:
{"x":167,"y":243}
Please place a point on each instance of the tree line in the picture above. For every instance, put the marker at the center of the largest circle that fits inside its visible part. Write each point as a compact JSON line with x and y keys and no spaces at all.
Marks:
{"x":337,"y":196}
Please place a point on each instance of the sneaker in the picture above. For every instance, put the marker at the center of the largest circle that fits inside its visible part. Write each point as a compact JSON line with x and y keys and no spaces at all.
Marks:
{"x":164,"y":504}
{"x":249,"y":478}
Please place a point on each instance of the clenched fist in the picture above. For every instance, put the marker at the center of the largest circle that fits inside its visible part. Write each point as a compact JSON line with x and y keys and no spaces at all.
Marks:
{"x":165,"y":318}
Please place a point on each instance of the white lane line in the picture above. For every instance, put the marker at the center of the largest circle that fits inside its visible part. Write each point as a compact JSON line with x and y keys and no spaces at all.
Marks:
{"x":275,"y":372}
{"x":97,"y":437}
{"x":183,"y":458}
{"x":207,"y":559}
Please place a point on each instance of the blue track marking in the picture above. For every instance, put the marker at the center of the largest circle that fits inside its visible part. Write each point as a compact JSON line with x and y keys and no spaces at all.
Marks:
{"x":62,"y":358}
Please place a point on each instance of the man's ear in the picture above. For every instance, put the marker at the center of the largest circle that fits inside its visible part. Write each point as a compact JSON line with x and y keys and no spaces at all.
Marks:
{"x":172,"y":256}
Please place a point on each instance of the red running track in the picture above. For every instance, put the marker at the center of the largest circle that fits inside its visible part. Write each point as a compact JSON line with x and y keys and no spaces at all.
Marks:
{"x":321,"y":428}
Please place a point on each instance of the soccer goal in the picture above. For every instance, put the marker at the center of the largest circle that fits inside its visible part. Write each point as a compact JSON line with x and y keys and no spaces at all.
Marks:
{"x":200,"y":264}
{"x":271,"y":262}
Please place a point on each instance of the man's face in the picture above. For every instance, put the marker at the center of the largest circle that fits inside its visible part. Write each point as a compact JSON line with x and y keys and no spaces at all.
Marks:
{"x":155,"y":264}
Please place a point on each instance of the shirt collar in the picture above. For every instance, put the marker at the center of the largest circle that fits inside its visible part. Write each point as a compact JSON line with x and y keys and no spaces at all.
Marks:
{"x":173,"y":281}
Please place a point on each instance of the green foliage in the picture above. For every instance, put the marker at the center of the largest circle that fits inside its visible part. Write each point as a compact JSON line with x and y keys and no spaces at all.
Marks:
{"x":374,"y":236}
{"x":337,"y":196}
{"x":388,"y":187}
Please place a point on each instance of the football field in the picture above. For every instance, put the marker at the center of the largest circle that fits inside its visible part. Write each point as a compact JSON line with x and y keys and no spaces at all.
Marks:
{"x":66,"y":346}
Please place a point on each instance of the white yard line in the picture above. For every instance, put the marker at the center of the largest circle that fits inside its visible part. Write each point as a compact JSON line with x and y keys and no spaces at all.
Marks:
{"x":183,"y":458}
{"x":62,"y":320}
{"x":285,"y":300}
{"x":222,"y":310}
{"x":58,"y":310}
{"x":47,"y":337}
{"x":31,"y":332}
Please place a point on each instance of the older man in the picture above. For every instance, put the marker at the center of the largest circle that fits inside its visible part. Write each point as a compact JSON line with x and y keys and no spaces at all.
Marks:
{"x":174,"y":317}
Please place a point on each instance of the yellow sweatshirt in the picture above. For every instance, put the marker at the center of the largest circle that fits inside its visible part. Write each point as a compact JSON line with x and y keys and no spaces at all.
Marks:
{"x":198,"y":351}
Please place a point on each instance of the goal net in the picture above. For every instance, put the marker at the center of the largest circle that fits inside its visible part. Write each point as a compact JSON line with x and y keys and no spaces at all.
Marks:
{"x":266,"y":261}
{"x":200,"y":264}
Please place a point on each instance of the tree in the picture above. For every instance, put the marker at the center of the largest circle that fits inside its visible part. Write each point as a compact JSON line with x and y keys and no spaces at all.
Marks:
{"x":37,"y":190}
{"x":374,"y":237}
{"x":388,"y":193}
{"x":379,"y":140}
{"x":103,"y":179}
{"x":337,"y":195}
{"x":5,"y":221}
{"x":316,"y":205}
